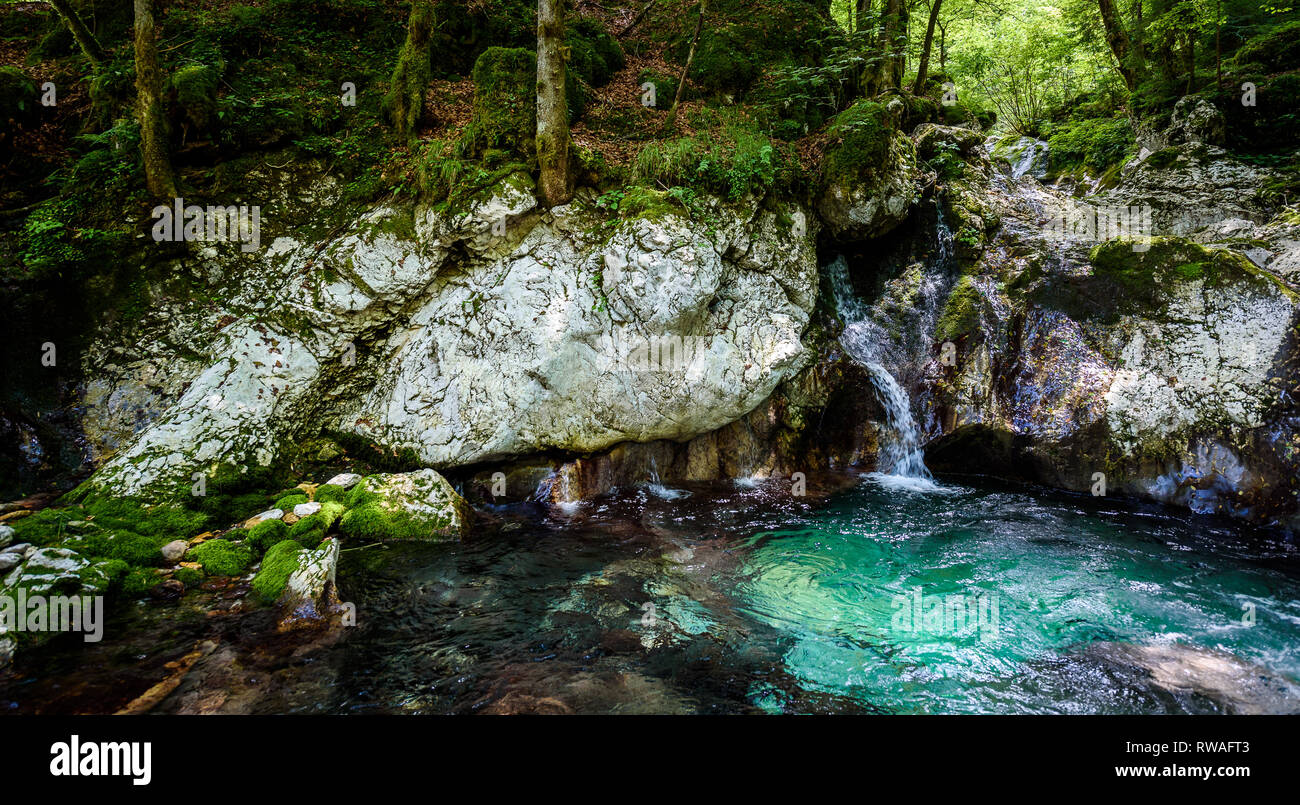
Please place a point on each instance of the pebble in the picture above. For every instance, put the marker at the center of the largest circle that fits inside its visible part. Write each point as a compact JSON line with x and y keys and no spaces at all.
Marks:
{"x":306,"y":509}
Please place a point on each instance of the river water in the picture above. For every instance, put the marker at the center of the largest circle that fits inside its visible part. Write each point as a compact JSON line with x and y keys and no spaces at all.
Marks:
{"x":964,"y":598}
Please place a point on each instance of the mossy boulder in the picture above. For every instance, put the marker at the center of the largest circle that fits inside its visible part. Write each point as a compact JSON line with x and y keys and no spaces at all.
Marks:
{"x":870,"y":174}
{"x":961,"y":313}
{"x":194,"y":90}
{"x":505,"y":102}
{"x":279,"y":563}
{"x":593,"y":53}
{"x":221,"y":557}
{"x":418,"y":505}
{"x":267,"y":533}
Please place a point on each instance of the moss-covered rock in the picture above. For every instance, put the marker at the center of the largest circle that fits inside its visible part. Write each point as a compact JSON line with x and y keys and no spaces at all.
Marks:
{"x":870,"y":175}
{"x":279,"y":563}
{"x":221,"y":557}
{"x":194,"y":89}
{"x":267,"y":533}
{"x":409,"y":506}
{"x":961,"y":313}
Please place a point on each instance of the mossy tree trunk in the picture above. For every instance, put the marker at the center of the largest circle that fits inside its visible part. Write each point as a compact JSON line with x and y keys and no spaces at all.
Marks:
{"x":891,"y":50}
{"x":404,"y":103}
{"x":552,"y":109}
{"x":1120,"y":44}
{"x":149,"y":105}
{"x":85,"y":39}
{"x":923,"y":68}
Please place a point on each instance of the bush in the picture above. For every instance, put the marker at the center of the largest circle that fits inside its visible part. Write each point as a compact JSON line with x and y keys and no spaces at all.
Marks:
{"x":729,"y":156}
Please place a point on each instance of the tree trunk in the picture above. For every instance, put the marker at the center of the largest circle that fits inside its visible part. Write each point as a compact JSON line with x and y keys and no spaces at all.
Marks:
{"x":1118,"y":40}
{"x":923,"y":69}
{"x":552,"y":109}
{"x":149,"y":105}
{"x":85,"y":39}
{"x":404,"y":103}
{"x":891,"y":47}
{"x":861,"y":14}
{"x":690,"y":57}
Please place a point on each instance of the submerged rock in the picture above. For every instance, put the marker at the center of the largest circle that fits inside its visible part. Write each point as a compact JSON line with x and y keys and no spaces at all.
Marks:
{"x":1242,"y":687}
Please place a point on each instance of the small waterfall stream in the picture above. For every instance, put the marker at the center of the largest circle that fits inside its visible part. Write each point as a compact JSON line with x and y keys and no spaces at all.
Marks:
{"x":901,"y":456}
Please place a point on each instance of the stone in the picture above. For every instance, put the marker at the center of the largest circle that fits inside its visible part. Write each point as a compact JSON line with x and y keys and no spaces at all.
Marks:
{"x":542,"y":345}
{"x":310,"y":594}
{"x":347,"y":480}
{"x":175,"y":550}
{"x":6,"y":535}
{"x":419,"y":505}
{"x":8,"y":561}
{"x":270,"y":514}
{"x":306,"y":509}
{"x":47,"y":569}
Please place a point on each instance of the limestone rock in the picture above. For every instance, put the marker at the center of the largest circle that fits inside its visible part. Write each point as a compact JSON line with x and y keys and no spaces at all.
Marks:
{"x":419,"y":505}
{"x":175,"y":550}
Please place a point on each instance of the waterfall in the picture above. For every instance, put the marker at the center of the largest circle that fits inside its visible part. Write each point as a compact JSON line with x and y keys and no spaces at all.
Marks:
{"x":1033,"y":158}
{"x":900,"y":453}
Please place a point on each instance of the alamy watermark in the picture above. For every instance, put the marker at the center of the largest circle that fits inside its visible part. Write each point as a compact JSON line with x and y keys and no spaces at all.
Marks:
{"x":1086,"y":223}
{"x":191,"y":223}
{"x":59,"y":613}
{"x":957,"y":615}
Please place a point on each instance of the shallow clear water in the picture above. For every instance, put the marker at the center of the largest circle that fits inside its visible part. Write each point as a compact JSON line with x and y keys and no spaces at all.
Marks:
{"x":742,"y":599}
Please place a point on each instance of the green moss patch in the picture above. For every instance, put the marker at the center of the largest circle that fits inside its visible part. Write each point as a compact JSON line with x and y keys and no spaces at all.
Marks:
{"x":277,"y":566}
{"x":221,"y":557}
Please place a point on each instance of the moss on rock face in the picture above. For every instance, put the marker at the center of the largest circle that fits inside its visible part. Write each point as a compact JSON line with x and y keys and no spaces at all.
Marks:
{"x":221,"y":557}
{"x":330,"y":493}
{"x":864,"y":134}
{"x":961,"y":314}
{"x":277,"y":566}
{"x":267,"y":533}
{"x":409,"y":506}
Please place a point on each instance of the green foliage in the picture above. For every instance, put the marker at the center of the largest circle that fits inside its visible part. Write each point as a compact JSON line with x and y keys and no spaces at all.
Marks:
{"x":1094,"y":145}
{"x":19,"y":100}
{"x":728,"y":155}
{"x":221,"y":557}
{"x":277,"y":566}
{"x":1279,"y":49}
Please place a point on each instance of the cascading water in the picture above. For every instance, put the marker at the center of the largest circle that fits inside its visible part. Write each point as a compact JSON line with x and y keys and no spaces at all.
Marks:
{"x":900,"y":454}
